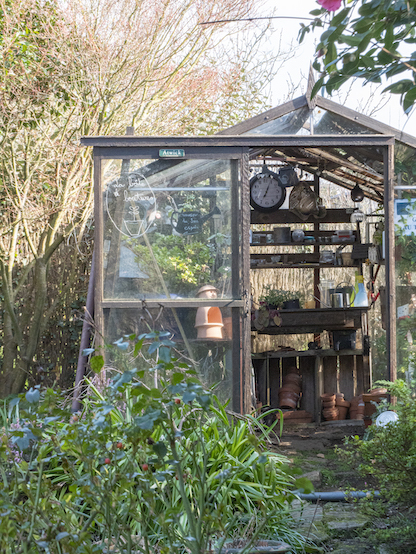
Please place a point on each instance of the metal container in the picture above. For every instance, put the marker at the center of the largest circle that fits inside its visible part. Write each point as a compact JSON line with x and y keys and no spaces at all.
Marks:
{"x":281,"y":234}
{"x":337,"y":300}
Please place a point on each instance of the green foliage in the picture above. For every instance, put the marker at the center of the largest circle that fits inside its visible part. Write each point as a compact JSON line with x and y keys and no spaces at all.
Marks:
{"x":158,"y":467}
{"x":276,"y":297}
{"x":388,"y":453}
{"x":367,"y":39}
{"x":393,"y":527}
{"x":184,"y":265}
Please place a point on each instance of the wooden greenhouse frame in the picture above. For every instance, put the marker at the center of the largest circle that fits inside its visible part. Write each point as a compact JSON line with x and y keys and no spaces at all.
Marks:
{"x":328,"y":156}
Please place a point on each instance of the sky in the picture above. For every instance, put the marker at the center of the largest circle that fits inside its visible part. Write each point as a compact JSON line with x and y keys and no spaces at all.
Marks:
{"x":295,"y":71}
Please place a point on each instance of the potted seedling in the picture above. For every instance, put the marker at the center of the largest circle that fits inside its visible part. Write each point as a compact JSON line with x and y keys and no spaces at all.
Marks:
{"x":276,"y":299}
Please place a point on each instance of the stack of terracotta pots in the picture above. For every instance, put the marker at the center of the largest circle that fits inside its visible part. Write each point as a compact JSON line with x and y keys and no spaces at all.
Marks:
{"x":289,"y":393}
{"x":342,"y":405}
{"x":357,"y":407}
{"x":370,"y":400}
{"x":329,"y":409}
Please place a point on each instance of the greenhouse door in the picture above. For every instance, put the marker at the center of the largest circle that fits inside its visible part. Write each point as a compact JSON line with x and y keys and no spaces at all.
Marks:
{"x":171,"y":256}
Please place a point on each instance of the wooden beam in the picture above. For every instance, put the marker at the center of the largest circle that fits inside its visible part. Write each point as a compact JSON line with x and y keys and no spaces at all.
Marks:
{"x":285,"y":216}
{"x":112,"y":147}
{"x":341,"y":161}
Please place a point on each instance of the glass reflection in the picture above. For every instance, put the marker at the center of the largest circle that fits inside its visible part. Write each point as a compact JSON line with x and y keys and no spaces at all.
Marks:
{"x":167,"y":228}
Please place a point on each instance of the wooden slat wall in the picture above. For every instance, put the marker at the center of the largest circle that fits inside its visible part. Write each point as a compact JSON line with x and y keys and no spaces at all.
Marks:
{"x":307,"y":370}
{"x":328,"y":374}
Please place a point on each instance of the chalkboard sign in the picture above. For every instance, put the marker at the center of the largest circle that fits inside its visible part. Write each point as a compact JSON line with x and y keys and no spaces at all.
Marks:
{"x":189,"y":223}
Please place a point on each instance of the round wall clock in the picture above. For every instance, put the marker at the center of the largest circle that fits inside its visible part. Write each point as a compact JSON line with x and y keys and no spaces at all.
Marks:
{"x":267,"y":192}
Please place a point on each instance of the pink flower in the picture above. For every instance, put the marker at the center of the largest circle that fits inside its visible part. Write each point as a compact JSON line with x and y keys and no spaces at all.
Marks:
{"x":330,"y":5}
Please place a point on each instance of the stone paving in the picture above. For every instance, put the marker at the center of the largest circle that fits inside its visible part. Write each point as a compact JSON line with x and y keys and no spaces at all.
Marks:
{"x":334,"y":526}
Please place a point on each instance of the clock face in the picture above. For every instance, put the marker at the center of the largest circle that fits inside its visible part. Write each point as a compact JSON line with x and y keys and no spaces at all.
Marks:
{"x":266,"y":192}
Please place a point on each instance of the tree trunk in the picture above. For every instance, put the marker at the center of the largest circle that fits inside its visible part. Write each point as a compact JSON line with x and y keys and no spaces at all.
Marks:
{"x":18,"y":355}
{"x":13,"y":382}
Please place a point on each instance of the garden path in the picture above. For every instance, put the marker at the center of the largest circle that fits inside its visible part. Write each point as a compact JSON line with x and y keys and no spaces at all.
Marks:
{"x":338,"y":527}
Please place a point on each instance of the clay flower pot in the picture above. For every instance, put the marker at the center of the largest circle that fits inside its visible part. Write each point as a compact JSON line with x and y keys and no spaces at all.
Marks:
{"x":356,"y":415}
{"x":342,"y":403}
{"x":328,"y":404}
{"x":331,"y":414}
{"x":288,"y":399}
{"x":356,"y":400}
{"x":292,"y":378}
{"x":342,"y":412}
{"x":293,"y":387}
{"x":328,"y":397}
{"x":370,"y":399}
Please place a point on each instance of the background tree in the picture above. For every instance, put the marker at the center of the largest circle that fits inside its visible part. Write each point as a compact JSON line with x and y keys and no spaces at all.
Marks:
{"x":92,"y":68}
{"x":369,"y":39}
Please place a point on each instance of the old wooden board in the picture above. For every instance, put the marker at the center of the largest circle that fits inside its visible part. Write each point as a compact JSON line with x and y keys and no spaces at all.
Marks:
{"x":260,"y":373}
{"x":330,"y":368}
{"x":274,"y":382}
{"x":348,"y":376}
{"x":307,"y":370}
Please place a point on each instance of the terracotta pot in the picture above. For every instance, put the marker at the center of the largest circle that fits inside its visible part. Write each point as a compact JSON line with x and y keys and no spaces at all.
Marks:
{"x":327,"y":397}
{"x":288,"y":399}
{"x":293,"y":387}
{"x":340,"y":395}
{"x":373,"y":397}
{"x":331,"y":414}
{"x":292,"y":378}
{"x":342,"y":403}
{"x":328,"y":404}
{"x":379,"y":391}
{"x":342,"y":412}
{"x":356,"y":400}
{"x":356,"y":415}
{"x":293,"y":369}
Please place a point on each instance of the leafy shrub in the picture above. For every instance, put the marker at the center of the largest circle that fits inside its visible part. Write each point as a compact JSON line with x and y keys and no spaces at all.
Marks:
{"x":143,"y":468}
{"x":388,"y":453}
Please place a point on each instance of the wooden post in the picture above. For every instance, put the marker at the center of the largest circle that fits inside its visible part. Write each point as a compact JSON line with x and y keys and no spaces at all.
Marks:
{"x":390,"y":261}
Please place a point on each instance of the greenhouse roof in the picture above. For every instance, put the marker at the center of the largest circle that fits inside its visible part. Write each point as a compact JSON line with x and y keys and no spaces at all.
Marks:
{"x":341,"y":165}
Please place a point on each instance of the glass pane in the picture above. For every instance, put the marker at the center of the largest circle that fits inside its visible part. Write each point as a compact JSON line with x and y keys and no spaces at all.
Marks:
{"x":405,"y":253}
{"x":304,"y":122}
{"x":330,"y":123}
{"x":212,"y":358}
{"x":167,"y":228}
{"x":289,"y":124}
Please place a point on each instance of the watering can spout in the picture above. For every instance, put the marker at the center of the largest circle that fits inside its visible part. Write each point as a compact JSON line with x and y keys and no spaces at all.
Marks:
{"x":215,"y":211}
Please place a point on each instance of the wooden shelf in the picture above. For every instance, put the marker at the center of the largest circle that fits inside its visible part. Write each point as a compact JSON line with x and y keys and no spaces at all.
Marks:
{"x":298,"y":322}
{"x":313,"y":265}
{"x":304,"y":243}
{"x":285,"y":216}
{"x":306,"y":353}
